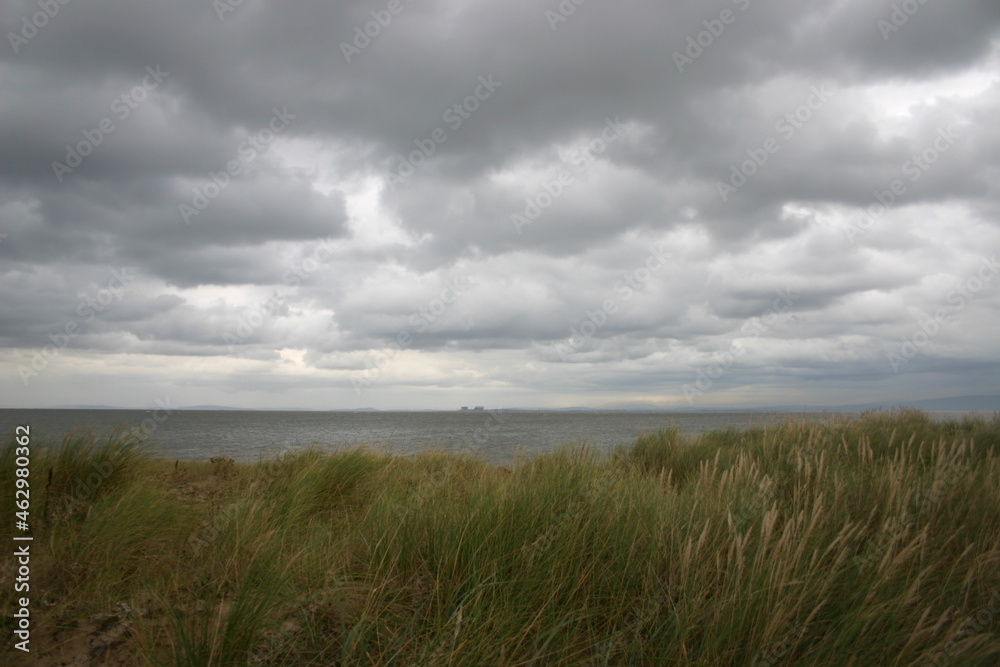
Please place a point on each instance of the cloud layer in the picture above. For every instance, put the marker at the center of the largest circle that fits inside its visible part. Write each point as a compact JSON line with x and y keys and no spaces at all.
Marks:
{"x":420,"y":205}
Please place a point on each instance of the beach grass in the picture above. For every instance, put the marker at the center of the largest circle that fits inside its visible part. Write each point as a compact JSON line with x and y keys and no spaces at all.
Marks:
{"x":866,"y":540}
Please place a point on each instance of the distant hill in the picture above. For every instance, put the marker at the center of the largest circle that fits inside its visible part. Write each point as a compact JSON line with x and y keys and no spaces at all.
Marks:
{"x":982,"y":403}
{"x":954,"y":403}
{"x":87,"y":407}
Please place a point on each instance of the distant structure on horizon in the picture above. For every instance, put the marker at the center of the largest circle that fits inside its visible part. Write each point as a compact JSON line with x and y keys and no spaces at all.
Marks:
{"x":478,"y":408}
{"x":465,"y":408}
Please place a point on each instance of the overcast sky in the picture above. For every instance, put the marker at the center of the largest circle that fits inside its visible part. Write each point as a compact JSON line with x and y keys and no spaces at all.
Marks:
{"x":527,"y":203}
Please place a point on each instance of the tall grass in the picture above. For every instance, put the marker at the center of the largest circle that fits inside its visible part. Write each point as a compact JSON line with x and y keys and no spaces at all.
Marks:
{"x":68,"y":477}
{"x":867,"y":540}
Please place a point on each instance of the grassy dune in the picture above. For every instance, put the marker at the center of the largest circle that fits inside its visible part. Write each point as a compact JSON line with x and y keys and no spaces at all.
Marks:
{"x":866,"y":541}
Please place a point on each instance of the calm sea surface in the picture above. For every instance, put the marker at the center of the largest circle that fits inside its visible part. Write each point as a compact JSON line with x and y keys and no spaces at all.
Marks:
{"x":495,"y":436}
